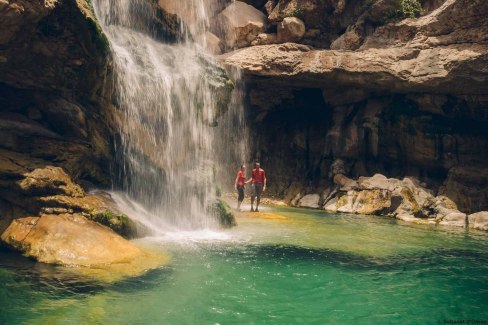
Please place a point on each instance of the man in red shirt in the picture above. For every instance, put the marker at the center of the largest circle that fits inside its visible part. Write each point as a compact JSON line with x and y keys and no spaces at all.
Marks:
{"x":258,"y":185}
{"x":239,"y":185}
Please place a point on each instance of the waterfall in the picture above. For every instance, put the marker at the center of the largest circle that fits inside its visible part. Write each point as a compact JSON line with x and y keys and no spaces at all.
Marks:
{"x":169,"y":150}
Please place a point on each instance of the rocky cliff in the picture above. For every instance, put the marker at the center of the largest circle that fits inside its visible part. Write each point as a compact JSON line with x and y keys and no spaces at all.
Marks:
{"x":401,"y":97}
{"x":57,"y":123}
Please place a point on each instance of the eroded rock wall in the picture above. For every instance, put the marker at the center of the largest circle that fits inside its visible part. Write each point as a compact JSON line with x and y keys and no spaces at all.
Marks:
{"x":410,"y":100}
{"x":56,"y":126}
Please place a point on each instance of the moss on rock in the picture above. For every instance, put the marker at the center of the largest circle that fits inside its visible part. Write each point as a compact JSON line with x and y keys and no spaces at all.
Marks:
{"x":120,"y":223}
{"x":224,"y":214}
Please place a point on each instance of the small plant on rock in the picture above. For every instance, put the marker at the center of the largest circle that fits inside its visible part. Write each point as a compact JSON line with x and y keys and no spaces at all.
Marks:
{"x":405,"y":9}
{"x":410,"y":8}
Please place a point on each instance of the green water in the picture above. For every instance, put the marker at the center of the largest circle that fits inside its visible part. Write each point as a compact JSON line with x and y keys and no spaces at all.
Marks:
{"x":313,"y":268}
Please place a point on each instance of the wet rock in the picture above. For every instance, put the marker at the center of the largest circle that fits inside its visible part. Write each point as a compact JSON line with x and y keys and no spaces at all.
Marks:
{"x":241,"y":24}
{"x":291,"y":29}
{"x":454,"y":218}
{"x":68,"y":240}
{"x":210,"y":42}
{"x":478,"y":220}
{"x":224,"y":214}
{"x":309,"y":201}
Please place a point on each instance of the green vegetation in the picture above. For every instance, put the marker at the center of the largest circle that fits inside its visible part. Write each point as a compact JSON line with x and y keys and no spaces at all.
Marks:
{"x":224,"y":213}
{"x":98,"y":36}
{"x":410,"y":8}
{"x":404,"y":9}
{"x":120,"y":223}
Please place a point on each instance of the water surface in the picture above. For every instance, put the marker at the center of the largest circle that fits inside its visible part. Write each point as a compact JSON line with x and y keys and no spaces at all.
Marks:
{"x":304,"y":267}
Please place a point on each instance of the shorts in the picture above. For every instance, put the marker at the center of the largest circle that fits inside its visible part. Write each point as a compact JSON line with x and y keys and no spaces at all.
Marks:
{"x":240,"y":191}
{"x":257,"y":190}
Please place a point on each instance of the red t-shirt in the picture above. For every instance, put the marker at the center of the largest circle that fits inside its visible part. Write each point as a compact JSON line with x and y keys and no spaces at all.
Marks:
{"x":258,"y":176}
{"x":241,"y":178}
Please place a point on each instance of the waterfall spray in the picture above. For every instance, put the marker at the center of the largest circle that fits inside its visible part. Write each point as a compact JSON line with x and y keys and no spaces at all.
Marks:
{"x":165,"y":93}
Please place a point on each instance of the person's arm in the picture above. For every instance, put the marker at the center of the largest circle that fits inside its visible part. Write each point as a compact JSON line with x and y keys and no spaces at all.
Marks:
{"x":237,"y":179}
{"x":248,"y":181}
{"x":264,"y":185}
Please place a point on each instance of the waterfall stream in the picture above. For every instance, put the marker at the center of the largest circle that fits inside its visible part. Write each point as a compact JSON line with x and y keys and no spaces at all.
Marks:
{"x":168,"y":153}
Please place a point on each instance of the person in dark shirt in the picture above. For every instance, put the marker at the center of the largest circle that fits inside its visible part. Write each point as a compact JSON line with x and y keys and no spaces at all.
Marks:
{"x":258,"y":180}
{"x":240,"y":184}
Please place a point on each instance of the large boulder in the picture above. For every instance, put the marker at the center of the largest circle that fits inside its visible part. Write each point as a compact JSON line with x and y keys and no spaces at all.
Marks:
{"x":309,"y":201}
{"x":403,"y":199}
{"x":478,"y":220}
{"x":240,"y":24}
{"x":454,"y":218}
{"x":291,"y":29}
{"x":68,"y":239}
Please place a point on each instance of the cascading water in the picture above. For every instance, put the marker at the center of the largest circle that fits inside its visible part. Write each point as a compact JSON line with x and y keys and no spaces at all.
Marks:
{"x":167,"y":149}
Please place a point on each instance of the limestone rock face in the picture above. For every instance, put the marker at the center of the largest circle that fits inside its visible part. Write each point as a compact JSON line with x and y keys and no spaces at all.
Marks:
{"x":405,"y":99}
{"x":402,"y":69}
{"x":54,"y":100}
{"x":56,"y":126}
{"x":241,"y":24}
{"x":291,"y":29}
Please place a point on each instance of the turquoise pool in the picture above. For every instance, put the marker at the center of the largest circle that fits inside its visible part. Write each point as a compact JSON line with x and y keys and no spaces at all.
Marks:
{"x":305,"y":267}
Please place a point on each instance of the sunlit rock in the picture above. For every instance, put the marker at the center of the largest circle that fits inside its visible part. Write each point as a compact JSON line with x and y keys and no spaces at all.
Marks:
{"x":455,"y":218}
{"x":309,"y":201}
{"x":478,"y":220}
{"x":291,"y":29}
{"x":241,"y":24}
